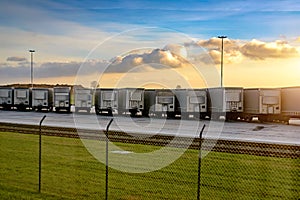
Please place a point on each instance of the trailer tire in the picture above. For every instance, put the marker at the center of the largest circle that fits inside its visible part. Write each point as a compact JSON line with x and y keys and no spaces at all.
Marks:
{"x":133,"y":113}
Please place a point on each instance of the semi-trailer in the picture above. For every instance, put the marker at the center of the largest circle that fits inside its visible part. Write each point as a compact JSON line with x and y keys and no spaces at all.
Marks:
{"x":226,"y":102}
{"x":131,"y":100}
{"x":83,"y":99}
{"x":6,"y":98}
{"x":106,"y":101}
{"x":62,"y":98}
{"x":42,"y":99}
{"x":262,"y":103}
{"x":22,"y":98}
{"x":192,"y":103}
{"x":290,"y":102}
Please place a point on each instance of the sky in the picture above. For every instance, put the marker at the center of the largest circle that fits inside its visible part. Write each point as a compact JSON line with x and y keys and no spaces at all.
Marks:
{"x":151,"y":43}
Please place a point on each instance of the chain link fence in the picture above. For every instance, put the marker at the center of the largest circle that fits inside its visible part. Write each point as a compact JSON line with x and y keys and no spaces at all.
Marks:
{"x":231,"y":170}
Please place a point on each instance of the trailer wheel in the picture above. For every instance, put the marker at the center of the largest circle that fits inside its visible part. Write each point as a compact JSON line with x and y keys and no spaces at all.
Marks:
{"x":39,"y":108}
{"x":145,"y":113}
{"x":228,"y":119}
{"x":133,"y":113}
{"x":6,"y":106}
{"x":21,"y":107}
{"x":263,"y":119}
{"x":285,"y":119}
{"x":269,"y":119}
{"x":247,"y":118}
{"x":170,"y":115}
{"x":202,"y":116}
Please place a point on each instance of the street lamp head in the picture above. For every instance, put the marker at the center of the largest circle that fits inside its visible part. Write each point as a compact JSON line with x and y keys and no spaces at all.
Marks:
{"x":222,"y":36}
{"x":31,"y":51}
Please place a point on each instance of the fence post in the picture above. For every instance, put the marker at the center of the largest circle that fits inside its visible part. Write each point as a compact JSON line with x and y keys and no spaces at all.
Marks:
{"x":199,"y":162}
{"x":106,"y":159}
{"x":40,"y":153}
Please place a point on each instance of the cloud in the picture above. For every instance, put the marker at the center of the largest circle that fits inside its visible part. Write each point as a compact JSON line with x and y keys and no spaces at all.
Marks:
{"x":16,"y":59}
{"x":236,"y":50}
{"x":52,"y":69}
{"x":137,"y":61}
{"x":156,"y":59}
{"x":176,"y":49}
{"x":256,"y":49}
{"x":63,"y":69}
{"x":232,"y":53}
{"x":58,"y":69}
{"x":10,"y":72}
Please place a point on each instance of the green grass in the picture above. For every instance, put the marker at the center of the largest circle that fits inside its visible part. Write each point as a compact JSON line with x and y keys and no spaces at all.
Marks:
{"x":69,"y":171}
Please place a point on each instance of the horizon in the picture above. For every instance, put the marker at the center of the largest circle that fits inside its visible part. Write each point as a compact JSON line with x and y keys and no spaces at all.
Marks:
{"x":37,"y":86}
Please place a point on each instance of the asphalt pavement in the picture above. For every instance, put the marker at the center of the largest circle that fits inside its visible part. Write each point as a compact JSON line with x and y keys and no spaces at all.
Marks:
{"x":243,"y":131}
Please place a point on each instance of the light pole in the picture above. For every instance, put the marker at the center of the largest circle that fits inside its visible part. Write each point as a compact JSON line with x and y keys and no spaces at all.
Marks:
{"x":31,"y":66}
{"x":222,"y":38}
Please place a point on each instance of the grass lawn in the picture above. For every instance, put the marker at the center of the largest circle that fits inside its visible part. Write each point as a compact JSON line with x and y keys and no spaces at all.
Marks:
{"x":69,"y":171}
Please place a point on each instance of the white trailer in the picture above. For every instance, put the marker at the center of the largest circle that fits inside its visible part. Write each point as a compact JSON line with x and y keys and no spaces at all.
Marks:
{"x":106,"y":101}
{"x":131,"y":100}
{"x":165,"y":103}
{"x":62,"y":98}
{"x":192,"y":102}
{"x":290,"y":102}
{"x":263,"y":103}
{"x":42,"y":99}
{"x":226,"y":102}
{"x":83,"y":99}
{"x":6,"y":98}
{"x":22,"y":98}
